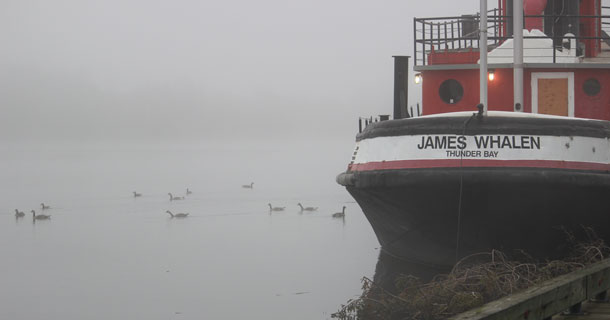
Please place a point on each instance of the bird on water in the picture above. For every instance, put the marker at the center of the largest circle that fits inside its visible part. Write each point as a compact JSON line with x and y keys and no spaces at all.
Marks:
{"x":177,"y":215}
{"x":339,"y":214}
{"x":44,"y":207}
{"x":248,"y":186}
{"x":172,"y":198}
{"x":272,"y":208}
{"x":188,"y":191}
{"x":307,"y":208}
{"x":19,"y":214}
{"x":40,"y":216}
{"x":135,"y":194}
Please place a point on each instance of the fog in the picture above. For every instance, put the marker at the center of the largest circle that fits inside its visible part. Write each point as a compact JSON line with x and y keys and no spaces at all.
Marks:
{"x":201,"y":70}
{"x":99,"y":99}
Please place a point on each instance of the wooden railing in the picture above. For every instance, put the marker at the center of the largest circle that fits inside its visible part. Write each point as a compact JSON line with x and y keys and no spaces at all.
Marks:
{"x":547,"y":299}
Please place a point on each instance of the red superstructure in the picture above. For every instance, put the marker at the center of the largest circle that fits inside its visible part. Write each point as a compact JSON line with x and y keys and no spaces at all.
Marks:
{"x":568,"y":77}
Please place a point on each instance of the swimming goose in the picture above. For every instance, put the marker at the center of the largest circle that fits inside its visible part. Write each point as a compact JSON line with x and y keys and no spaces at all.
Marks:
{"x":135,"y":194}
{"x":272,"y":208}
{"x":19,"y":214}
{"x":248,"y":186}
{"x":40,"y":216}
{"x":307,"y":208}
{"x":177,"y":215}
{"x":172,"y":198}
{"x":188,"y":191}
{"x":339,"y":214}
{"x":44,"y":207}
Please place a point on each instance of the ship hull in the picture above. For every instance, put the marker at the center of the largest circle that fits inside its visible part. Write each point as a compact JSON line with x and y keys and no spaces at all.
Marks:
{"x":435,"y":210}
{"x":424,"y":215}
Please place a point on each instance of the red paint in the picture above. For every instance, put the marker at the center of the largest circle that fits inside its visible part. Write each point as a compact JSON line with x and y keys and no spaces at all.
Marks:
{"x":500,"y":91}
{"x":502,"y":12}
{"x":592,"y":107}
{"x":591,"y":27}
{"x":444,"y":57}
{"x":534,"y":8}
{"x":432,"y":81}
{"x":478,"y":163}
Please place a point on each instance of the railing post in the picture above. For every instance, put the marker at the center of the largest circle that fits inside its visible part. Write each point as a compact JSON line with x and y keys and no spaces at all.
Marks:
{"x":423,"y":38}
{"x":452,"y":36}
{"x":432,"y":36}
{"x":555,"y":50}
{"x":446,"y":46}
{"x":460,"y":34}
{"x":438,"y":35}
{"x":414,"y":41}
{"x":601,"y":297}
{"x":576,"y":309}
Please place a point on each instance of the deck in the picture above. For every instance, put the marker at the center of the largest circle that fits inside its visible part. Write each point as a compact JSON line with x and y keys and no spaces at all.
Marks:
{"x":583,"y":294}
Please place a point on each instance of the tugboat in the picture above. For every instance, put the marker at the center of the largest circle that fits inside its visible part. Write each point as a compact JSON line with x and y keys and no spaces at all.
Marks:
{"x":512,"y":150}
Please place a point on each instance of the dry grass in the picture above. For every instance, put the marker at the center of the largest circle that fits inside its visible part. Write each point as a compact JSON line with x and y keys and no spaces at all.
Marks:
{"x":474,"y":281}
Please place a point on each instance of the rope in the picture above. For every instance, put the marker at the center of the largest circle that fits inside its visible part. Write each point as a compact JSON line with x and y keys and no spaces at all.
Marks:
{"x":459,"y":217}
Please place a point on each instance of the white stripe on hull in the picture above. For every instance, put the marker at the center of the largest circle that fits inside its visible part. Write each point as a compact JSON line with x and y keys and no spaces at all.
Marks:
{"x":481,"y":147}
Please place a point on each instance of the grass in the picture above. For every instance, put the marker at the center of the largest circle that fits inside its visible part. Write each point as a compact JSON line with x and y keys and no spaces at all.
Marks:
{"x":473,"y":282}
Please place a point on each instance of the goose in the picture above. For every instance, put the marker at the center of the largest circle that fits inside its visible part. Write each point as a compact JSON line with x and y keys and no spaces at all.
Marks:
{"x":135,"y":194}
{"x":272,"y":208}
{"x":177,"y":215}
{"x":339,"y":214}
{"x":248,"y":186}
{"x":40,"y":216}
{"x":19,"y":214}
{"x":188,"y":191}
{"x":45,"y":207}
{"x":172,"y":198}
{"x":307,"y":208}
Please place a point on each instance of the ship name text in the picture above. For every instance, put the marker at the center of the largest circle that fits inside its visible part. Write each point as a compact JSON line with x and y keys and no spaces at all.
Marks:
{"x":452,"y":142}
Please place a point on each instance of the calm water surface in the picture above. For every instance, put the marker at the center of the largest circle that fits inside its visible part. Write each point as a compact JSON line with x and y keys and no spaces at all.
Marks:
{"x":107,"y":255}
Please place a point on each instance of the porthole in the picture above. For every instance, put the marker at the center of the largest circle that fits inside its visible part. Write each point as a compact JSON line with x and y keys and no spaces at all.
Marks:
{"x":591,"y":87}
{"x":451,"y":91}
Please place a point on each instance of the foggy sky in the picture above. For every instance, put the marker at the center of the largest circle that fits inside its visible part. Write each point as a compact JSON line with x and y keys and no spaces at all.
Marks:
{"x":185,"y":69}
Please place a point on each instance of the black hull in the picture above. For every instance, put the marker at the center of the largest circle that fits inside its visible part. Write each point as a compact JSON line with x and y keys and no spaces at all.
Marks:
{"x":415,"y":212}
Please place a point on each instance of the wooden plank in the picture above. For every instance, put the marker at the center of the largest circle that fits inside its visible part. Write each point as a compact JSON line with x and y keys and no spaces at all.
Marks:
{"x":591,"y":311}
{"x":546,"y":299}
{"x":553,"y":96}
{"x":598,"y":282}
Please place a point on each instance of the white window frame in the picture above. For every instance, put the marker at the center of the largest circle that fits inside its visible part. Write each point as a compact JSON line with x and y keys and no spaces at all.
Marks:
{"x":553,"y":75}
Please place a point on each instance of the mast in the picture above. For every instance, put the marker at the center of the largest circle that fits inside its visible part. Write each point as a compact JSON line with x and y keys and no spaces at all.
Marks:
{"x":518,"y":55}
{"x":483,"y":56}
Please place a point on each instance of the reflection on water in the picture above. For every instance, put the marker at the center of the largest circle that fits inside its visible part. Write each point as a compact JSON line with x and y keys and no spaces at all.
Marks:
{"x":106,"y":254}
{"x":389,"y":267}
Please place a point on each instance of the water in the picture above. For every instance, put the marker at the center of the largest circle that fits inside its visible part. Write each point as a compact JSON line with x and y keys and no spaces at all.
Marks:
{"x":107,"y":255}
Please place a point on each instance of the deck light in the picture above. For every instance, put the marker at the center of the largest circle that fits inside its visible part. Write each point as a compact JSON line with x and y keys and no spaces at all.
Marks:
{"x":491,"y":74}
{"x":417,"y":78}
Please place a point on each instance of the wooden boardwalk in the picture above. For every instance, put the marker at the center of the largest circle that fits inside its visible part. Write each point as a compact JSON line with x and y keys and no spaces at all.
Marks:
{"x":573,"y":292}
{"x":590,"y":311}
